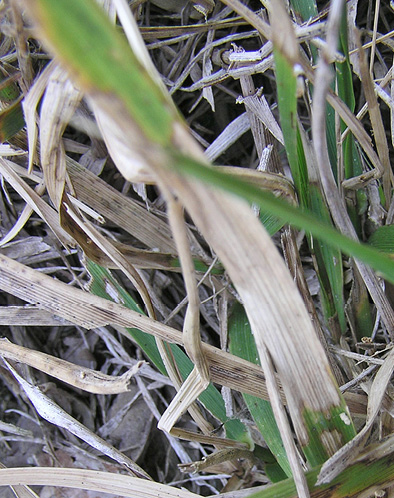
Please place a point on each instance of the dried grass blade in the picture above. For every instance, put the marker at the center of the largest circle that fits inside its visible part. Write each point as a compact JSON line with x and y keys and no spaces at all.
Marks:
{"x":90,"y":311}
{"x":125,"y":212}
{"x":52,"y":412}
{"x":92,"y":235}
{"x":21,"y":491}
{"x":94,"y":480}
{"x":23,"y":218}
{"x":228,"y":224}
{"x":58,"y":105}
{"x":29,"y":104}
{"x":229,"y":135}
{"x":80,"y":377}
{"x":47,"y":213}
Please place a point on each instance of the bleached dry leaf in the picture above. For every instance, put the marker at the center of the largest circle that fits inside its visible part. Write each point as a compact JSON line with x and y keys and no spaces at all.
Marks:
{"x":93,"y":236}
{"x":258,"y":104}
{"x":29,"y":315}
{"x":124,"y":211}
{"x":21,"y":491}
{"x":94,"y":480}
{"x":23,"y":218}
{"x":83,"y":378}
{"x":118,"y":147}
{"x":229,"y":135}
{"x":29,"y":105}
{"x":58,"y":105}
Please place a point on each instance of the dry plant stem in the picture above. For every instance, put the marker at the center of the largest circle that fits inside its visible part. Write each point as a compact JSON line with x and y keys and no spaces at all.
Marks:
{"x":252,"y":18}
{"x":333,"y":198}
{"x":375,"y":28}
{"x":191,"y":328}
{"x":256,"y":126}
{"x":22,"y":48}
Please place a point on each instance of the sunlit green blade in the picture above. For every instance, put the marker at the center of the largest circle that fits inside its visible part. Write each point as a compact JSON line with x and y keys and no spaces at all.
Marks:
{"x":287,"y":102}
{"x":103,"y":284}
{"x":242,"y":344}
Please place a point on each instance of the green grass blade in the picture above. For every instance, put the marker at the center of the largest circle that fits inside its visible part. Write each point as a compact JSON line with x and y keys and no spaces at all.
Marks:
{"x":383,"y":239}
{"x":287,"y":103}
{"x":11,"y":120}
{"x":242,"y":344}
{"x":328,"y":259}
{"x":357,"y":202}
{"x":329,"y":265}
{"x":305,"y":9}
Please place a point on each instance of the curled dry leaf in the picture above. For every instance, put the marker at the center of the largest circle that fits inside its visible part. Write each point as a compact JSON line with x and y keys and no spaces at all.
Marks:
{"x":83,"y":378}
